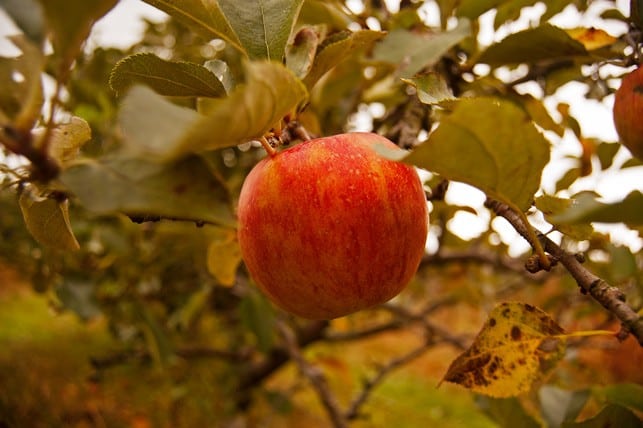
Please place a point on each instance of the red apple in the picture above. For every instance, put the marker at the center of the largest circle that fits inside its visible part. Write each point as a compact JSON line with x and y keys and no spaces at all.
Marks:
{"x":628,"y":112}
{"x":329,"y":227}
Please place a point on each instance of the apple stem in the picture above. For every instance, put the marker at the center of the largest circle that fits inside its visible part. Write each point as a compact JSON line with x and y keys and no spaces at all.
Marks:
{"x":266,"y":145}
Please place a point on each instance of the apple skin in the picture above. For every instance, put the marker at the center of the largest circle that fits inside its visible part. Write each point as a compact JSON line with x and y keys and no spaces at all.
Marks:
{"x":628,"y":112}
{"x":329,"y":227}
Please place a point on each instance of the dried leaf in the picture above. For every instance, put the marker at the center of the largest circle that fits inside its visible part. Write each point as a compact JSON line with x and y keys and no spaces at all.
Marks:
{"x":224,"y":257}
{"x":592,"y":38}
{"x":518,"y":345}
{"x":47,"y":219}
{"x":66,"y":139}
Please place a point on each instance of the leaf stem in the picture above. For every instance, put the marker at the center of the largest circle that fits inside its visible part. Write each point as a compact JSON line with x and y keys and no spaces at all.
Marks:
{"x":267,"y":147}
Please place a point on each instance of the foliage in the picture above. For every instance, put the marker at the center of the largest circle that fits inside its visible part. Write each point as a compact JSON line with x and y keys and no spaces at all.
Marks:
{"x":120,"y":182}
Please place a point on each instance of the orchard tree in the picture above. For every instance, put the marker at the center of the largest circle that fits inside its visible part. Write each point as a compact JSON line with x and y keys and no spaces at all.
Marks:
{"x":127,"y":168}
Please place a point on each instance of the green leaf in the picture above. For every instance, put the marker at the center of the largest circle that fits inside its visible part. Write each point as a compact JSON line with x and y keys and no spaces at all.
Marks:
{"x":204,"y":16}
{"x":152,"y":126}
{"x":431,"y":88}
{"x":258,"y":316}
{"x":411,"y":51}
{"x":543,"y":43}
{"x":338,"y":48}
{"x":173,"y":79}
{"x":610,"y":416}
{"x":262,"y":26}
{"x":47,"y":219}
{"x":69,"y":23}
{"x":625,"y":394}
{"x":157,"y":340}
{"x":550,"y":206}
{"x":510,"y":11}
{"x":301,"y":53}
{"x":21,"y":96}
{"x":474,"y":8}
{"x":606,"y":153}
{"x":490,"y":144}
{"x":507,"y":412}
{"x":270,"y":92}
{"x":28,"y":16}
{"x":77,"y":294}
{"x":185,"y":190}
{"x":586,"y":209}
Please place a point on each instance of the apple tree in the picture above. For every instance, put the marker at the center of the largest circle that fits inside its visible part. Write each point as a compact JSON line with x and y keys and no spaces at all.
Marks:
{"x":122,"y":171}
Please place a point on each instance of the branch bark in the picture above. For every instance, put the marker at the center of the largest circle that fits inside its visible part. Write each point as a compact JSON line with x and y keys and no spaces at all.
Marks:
{"x":315,"y":376}
{"x":610,"y":297}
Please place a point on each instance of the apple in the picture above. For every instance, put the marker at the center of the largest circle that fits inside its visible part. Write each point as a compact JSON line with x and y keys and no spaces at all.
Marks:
{"x":329,"y":227}
{"x":628,"y":112}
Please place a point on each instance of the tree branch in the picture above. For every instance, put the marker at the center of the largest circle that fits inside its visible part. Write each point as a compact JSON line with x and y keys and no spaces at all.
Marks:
{"x":314,"y":375}
{"x":370,"y":384}
{"x":610,"y":297}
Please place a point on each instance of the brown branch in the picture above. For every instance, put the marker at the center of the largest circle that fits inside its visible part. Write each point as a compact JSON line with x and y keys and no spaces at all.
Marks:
{"x":315,"y":376}
{"x":370,"y":384}
{"x":21,"y":143}
{"x":275,"y":359}
{"x":610,"y":297}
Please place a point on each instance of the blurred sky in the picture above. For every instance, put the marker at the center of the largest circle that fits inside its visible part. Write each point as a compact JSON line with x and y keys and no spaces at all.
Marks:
{"x":123,"y":26}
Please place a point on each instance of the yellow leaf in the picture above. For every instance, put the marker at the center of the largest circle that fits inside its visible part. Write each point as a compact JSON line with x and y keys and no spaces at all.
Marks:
{"x":224,"y":256}
{"x":66,"y":139}
{"x":47,"y":219}
{"x":592,"y":38}
{"x":518,"y":345}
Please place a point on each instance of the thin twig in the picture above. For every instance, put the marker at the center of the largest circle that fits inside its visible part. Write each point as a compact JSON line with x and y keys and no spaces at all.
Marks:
{"x":370,"y":384}
{"x":315,"y":376}
{"x":611,"y":298}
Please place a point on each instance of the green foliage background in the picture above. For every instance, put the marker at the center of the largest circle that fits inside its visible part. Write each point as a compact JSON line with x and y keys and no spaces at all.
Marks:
{"x":133,"y":229}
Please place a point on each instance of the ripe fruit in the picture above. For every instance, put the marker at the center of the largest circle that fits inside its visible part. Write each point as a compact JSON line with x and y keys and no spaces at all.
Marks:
{"x":628,"y":112}
{"x":329,"y":227}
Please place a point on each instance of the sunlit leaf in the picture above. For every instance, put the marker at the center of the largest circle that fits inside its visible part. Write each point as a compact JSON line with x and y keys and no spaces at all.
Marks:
{"x":206,"y":17}
{"x":592,"y":38}
{"x":517,"y":347}
{"x":270,"y":92}
{"x":301,"y":53}
{"x":542,"y":43}
{"x":66,"y":139}
{"x":224,"y":257}
{"x":338,"y":48}
{"x":431,"y":88}
{"x":586,"y":208}
{"x":492,"y":145}
{"x":551,"y":206}
{"x":412,"y":51}
{"x":69,"y":23}
{"x":262,"y":26}
{"x":153,"y":126}
{"x":47,"y":219}
{"x":21,"y":91}
{"x":179,"y":79}
{"x":185,"y":190}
